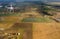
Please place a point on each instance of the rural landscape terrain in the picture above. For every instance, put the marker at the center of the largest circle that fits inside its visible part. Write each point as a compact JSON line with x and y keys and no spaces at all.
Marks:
{"x":29,"y":20}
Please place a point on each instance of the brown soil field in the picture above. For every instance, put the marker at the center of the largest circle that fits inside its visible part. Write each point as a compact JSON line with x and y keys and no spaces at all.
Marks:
{"x":40,"y":30}
{"x":24,"y":28}
{"x":5,"y":25}
{"x":46,"y":30}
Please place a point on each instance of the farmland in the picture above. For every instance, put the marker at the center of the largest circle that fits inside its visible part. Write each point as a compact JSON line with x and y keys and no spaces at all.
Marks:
{"x":30,"y":22}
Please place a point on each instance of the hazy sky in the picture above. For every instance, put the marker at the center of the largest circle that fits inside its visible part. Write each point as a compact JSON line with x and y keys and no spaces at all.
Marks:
{"x":26,"y":0}
{"x":31,"y":0}
{"x":38,"y":0}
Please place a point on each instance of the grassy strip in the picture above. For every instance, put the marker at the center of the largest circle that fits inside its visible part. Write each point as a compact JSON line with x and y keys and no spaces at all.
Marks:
{"x":43,"y":19}
{"x":10,"y":14}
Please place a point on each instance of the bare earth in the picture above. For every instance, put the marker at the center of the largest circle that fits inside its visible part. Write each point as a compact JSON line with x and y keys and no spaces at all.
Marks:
{"x":40,"y":30}
{"x":46,"y":30}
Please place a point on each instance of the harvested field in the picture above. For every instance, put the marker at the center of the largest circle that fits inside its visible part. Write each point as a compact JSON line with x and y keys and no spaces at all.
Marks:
{"x":46,"y":30}
{"x":38,"y":30}
{"x":24,"y":28}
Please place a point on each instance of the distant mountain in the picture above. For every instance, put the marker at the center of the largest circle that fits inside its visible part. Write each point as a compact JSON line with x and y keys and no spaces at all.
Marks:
{"x":7,"y":0}
{"x":30,"y":3}
{"x":35,"y":2}
{"x":24,"y":3}
{"x":53,"y":0}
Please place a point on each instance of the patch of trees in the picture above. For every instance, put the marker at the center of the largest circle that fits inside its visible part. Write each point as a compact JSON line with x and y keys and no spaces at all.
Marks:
{"x":44,"y":10}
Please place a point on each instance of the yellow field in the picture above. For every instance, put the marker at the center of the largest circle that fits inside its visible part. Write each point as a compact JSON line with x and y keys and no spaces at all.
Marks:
{"x":46,"y":30}
{"x":40,"y":30}
{"x":5,"y":25}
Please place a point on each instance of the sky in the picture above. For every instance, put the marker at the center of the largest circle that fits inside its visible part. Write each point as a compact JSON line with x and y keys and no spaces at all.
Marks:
{"x":40,"y":0}
{"x":33,"y":0}
{"x":27,"y":0}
